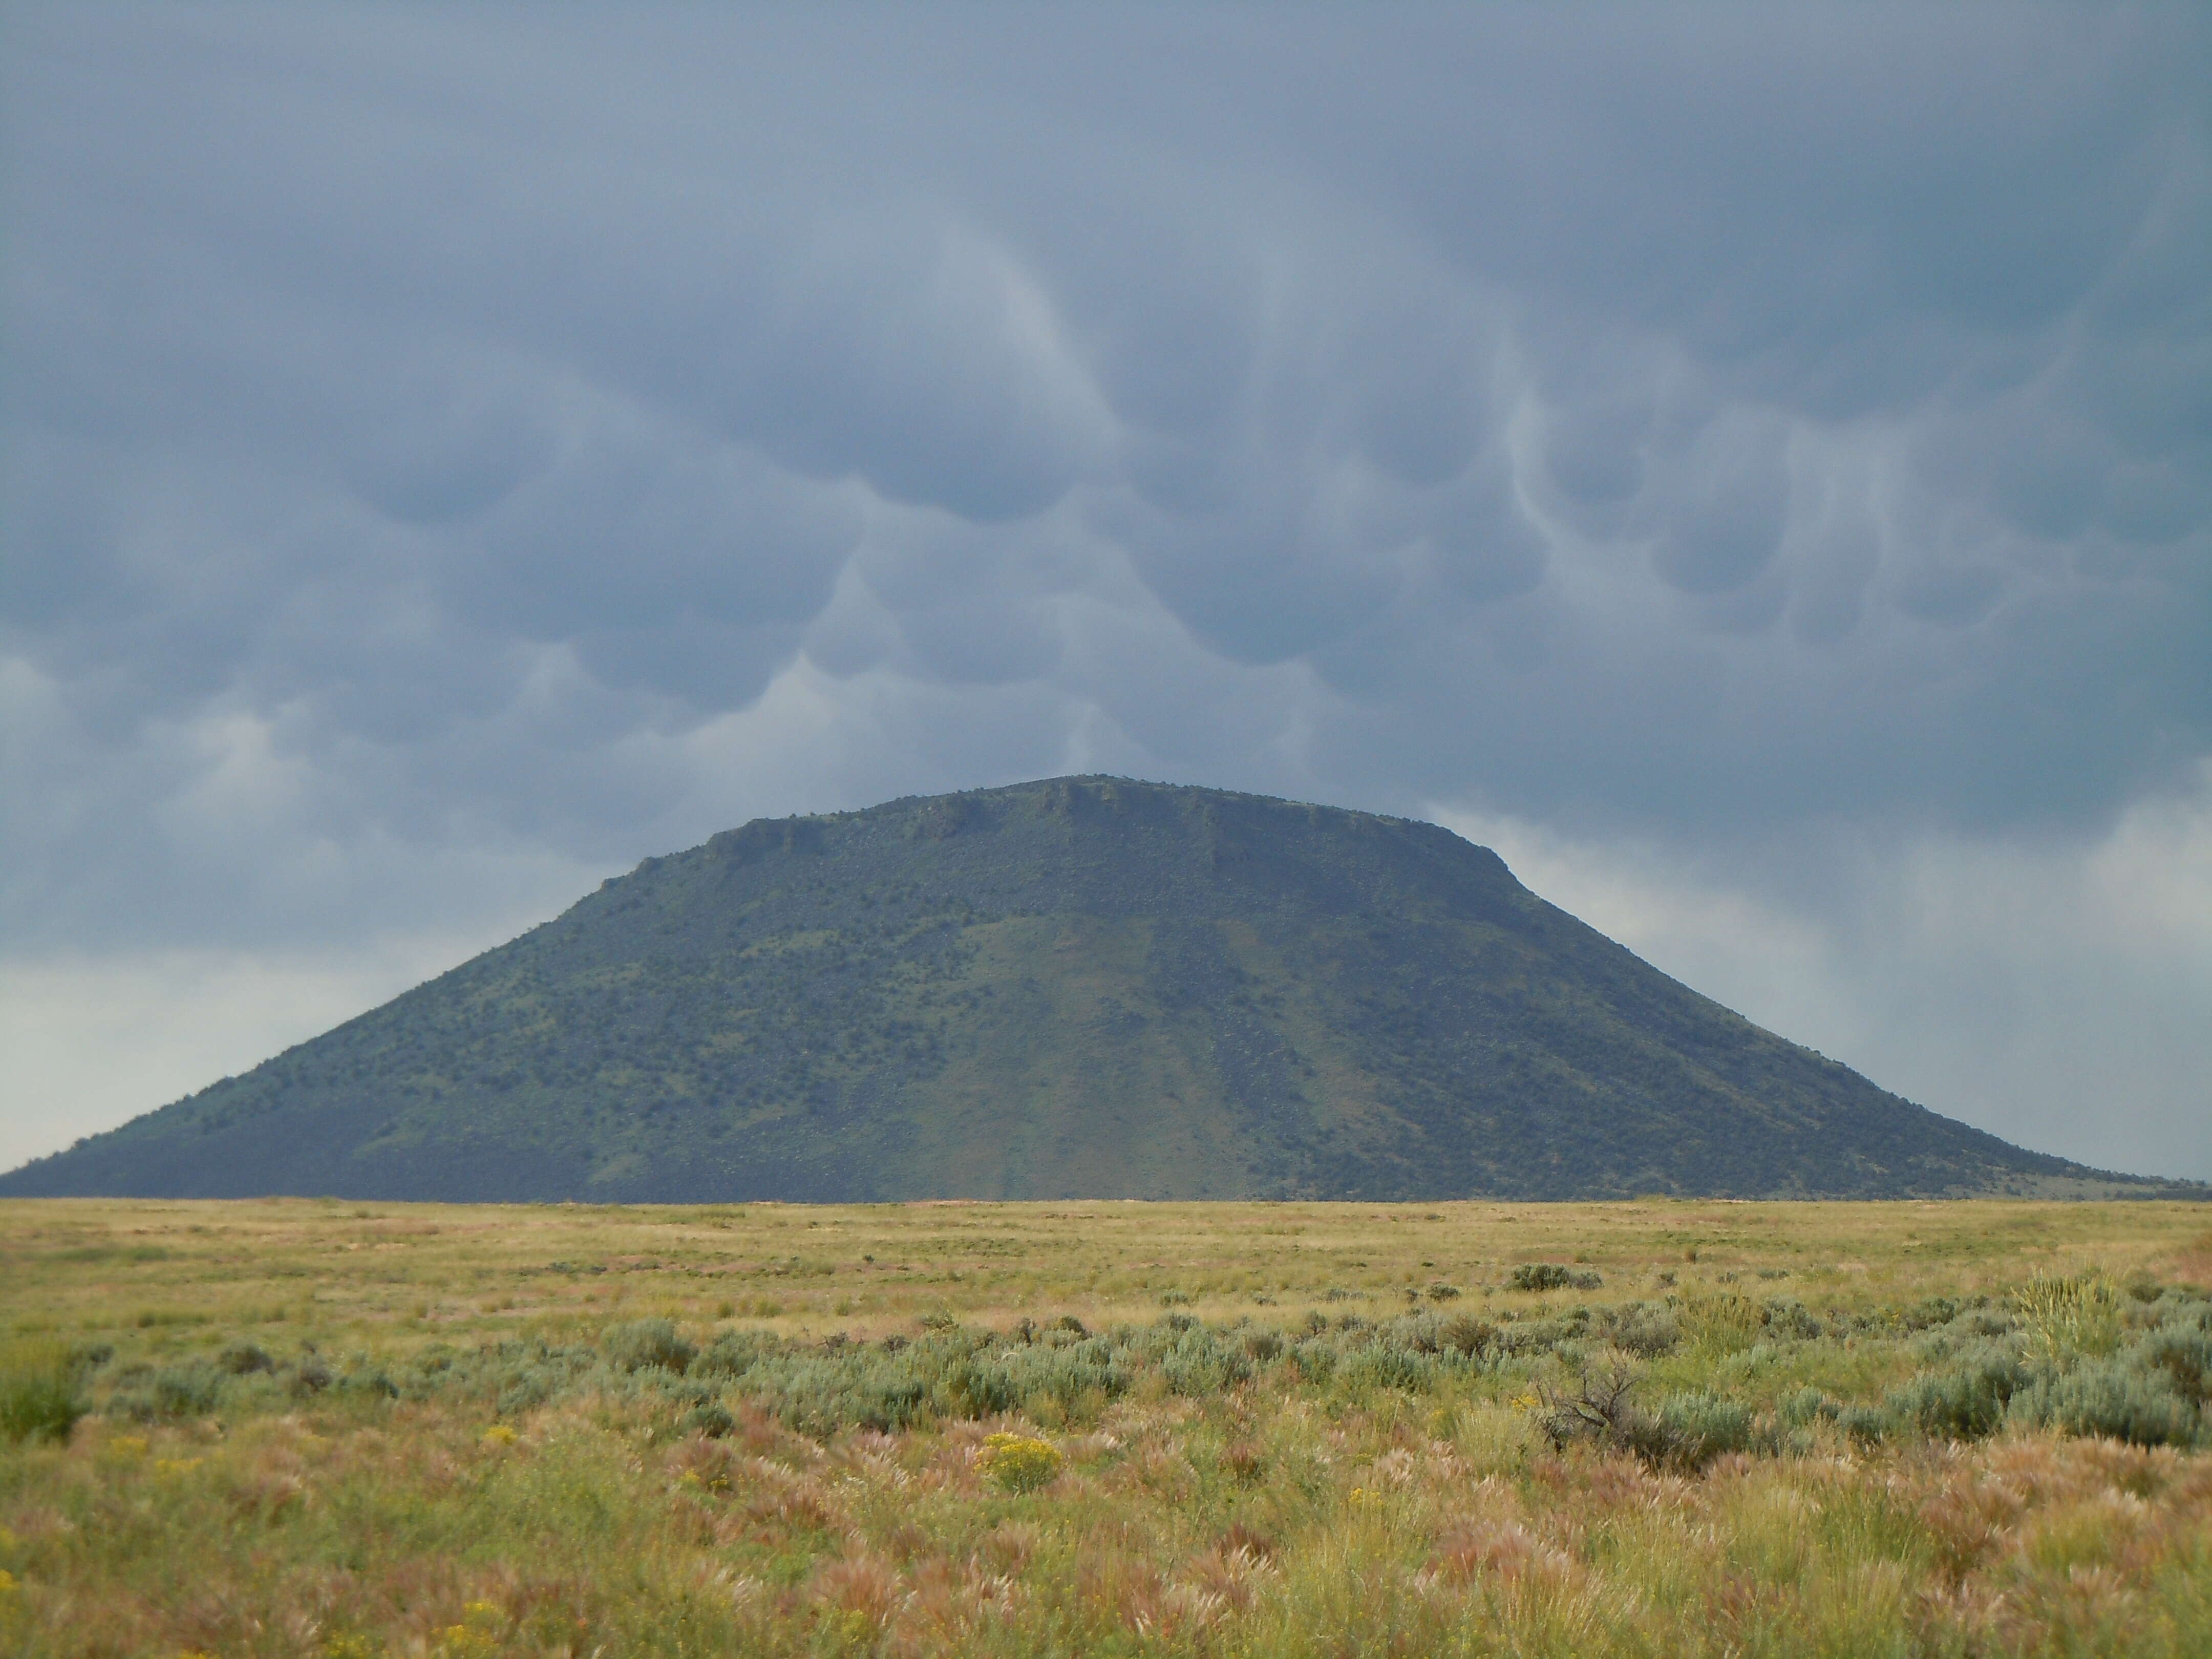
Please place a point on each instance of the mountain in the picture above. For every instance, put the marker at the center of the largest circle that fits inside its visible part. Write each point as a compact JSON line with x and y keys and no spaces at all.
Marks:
{"x":1083,"y":988}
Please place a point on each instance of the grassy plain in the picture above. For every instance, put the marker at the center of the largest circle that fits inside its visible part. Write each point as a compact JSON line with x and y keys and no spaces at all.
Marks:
{"x":322,"y":1428}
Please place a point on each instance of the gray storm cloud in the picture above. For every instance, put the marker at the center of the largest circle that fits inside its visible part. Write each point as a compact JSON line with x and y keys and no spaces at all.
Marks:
{"x":441,"y":443}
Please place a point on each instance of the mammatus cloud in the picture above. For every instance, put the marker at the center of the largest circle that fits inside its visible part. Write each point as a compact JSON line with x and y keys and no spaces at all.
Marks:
{"x":449,"y":456}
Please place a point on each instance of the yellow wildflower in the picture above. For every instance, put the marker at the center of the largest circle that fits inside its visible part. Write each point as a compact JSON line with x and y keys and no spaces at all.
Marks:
{"x":1020,"y":1463}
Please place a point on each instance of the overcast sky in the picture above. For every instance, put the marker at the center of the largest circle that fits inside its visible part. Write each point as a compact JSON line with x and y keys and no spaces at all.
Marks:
{"x":1752,"y":467}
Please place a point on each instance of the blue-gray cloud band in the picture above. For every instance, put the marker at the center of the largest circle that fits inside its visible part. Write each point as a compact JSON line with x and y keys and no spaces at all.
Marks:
{"x":418,"y":424}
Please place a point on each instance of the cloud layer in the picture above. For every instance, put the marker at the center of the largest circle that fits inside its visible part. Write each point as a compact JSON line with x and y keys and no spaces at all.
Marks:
{"x":449,"y":455}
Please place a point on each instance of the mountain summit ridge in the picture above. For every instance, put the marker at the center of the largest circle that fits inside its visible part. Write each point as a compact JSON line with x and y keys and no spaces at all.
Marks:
{"x":1078,"y":987}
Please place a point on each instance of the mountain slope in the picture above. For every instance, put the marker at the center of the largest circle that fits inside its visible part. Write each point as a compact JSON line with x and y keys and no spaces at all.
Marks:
{"x":1081,"y":988}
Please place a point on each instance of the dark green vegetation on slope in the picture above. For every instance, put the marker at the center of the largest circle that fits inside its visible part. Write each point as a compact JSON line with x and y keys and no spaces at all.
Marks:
{"x":1086,"y":987}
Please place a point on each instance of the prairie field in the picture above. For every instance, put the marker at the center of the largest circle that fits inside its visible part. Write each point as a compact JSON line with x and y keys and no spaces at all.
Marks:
{"x":346,"y":1430}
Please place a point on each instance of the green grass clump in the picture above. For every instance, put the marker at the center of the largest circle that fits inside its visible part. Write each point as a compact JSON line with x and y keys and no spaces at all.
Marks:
{"x":1554,"y":1276}
{"x":646,"y":1343}
{"x":243,"y":1357}
{"x":1688,"y":1432}
{"x":1966,"y":1400}
{"x":40,"y":1393}
{"x":2062,"y":1316}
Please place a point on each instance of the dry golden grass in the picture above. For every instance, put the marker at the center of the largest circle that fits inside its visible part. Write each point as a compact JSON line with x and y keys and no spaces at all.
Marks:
{"x":404,"y":1272}
{"x":1276,"y":1514}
